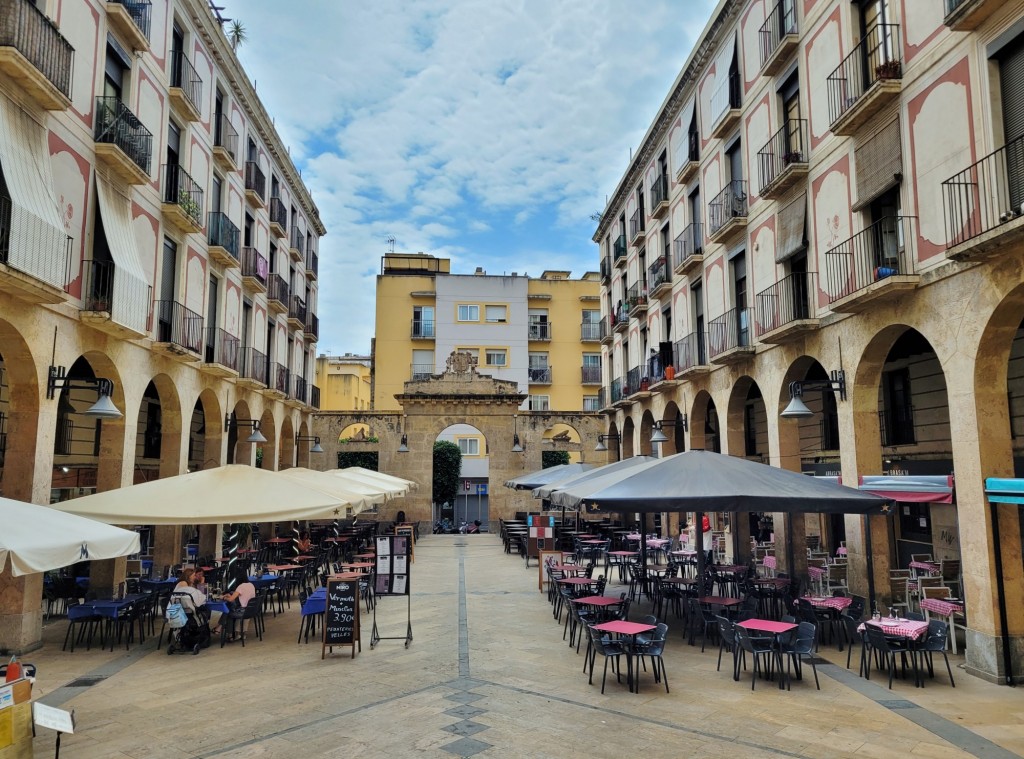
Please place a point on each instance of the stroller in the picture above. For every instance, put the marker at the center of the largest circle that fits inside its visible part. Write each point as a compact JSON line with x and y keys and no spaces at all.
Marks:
{"x":189,"y":629}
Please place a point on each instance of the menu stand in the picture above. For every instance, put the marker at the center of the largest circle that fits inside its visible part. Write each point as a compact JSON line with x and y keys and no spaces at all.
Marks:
{"x":393,"y":579}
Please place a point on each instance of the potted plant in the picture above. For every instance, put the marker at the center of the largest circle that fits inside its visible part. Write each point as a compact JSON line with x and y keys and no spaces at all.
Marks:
{"x":793,"y":156}
{"x":189,"y":206}
{"x":888,"y":70}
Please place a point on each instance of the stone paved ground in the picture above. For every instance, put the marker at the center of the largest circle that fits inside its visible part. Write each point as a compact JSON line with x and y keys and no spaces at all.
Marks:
{"x":488,"y":674}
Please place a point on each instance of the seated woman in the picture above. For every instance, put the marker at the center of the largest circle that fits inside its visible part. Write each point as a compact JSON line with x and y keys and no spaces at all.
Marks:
{"x":188,"y":583}
{"x":243,"y":591}
{"x":304,"y":544}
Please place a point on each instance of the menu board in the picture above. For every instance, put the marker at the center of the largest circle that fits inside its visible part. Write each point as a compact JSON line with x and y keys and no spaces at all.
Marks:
{"x":392,"y":576}
{"x":341,"y":615}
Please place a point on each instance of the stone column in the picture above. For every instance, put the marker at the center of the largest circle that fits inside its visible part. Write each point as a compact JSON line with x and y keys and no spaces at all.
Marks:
{"x":784,"y":452}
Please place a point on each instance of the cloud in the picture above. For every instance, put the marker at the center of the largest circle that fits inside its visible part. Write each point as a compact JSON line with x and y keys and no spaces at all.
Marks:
{"x":503,"y":122}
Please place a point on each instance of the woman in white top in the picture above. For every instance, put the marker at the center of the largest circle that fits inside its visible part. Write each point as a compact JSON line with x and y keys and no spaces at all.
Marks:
{"x":243,"y":592}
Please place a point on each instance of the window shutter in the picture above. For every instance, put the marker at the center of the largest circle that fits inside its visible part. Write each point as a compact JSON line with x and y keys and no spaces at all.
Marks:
{"x":1011,"y":80}
{"x":791,"y":221}
{"x":879,"y":162}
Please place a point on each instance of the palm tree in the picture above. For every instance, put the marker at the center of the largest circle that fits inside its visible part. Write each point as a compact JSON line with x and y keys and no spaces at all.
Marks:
{"x":236,"y":34}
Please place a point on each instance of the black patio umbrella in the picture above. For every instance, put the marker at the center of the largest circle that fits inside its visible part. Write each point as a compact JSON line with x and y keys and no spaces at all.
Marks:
{"x":703,"y":481}
{"x":541,"y":477}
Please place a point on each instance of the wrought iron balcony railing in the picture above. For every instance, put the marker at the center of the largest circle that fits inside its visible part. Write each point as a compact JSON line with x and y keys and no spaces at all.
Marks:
{"x":182,"y":190}
{"x":312,"y":325}
{"x":141,"y":12}
{"x":986,"y":194}
{"x":179,"y":326}
{"x":221,"y":348}
{"x":255,"y":179}
{"x":604,"y":327}
{"x":539,"y":330}
{"x":185,"y":76}
{"x":298,"y":388}
{"x":780,"y":23}
{"x":590,"y":331}
{"x":27,"y":29}
{"x":636,"y":296}
{"x":423,"y":328}
{"x":590,"y":375}
{"x":278,"y":213}
{"x":689,"y":243}
{"x":277,"y":289}
{"x":313,"y":262}
{"x":99,"y":294}
{"x":785,"y":302}
{"x":314,"y":396}
{"x":540,"y":375}
{"x":616,"y":390}
{"x":729,"y":331}
{"x":298,"y":242}
{"x":875,"y":58}
{"x":730,"y":203}
{"x":297,"y":309}
{"x":659,"y":191}
{"x":606,"y":269}
{"x":725,"y":97}
{"x":277,"y":377}
{"x":252,"y":364}
{"x":871,"y":255}
{"x":254,"y":264}
{"x":222,"y":232}
{"x":690,"y":352}
{"x":636,"y":225}
{"x":226,"y":136}
{"x":619,"y":248}
{"x":658,"y":273}
{"x":786,"y":149}
{"x":418,"y":372}
{"x":115,"y":124}
{"x":636,"y":381}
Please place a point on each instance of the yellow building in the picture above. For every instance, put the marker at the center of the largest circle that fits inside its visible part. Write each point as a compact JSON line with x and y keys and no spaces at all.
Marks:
{"x":542,"y":333}
{"x":344,"y":382}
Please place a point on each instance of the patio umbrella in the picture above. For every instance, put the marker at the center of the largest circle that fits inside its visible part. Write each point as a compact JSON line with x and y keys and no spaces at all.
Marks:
{"x":397,"y":486}
{"x":37,"y":538}
{"x":542,"y":477}
{"x":225,"y":494}
{"x":360,"y":496}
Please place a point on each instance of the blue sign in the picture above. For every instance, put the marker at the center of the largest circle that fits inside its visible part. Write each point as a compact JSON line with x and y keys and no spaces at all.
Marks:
{"x":481,"y":488}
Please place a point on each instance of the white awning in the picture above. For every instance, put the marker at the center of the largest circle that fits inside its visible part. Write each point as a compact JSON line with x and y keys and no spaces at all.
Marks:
{"x":719,"y":102}
{"x":791,"y":222}
{"x":38,"y":243}
{"x":680,"y":152}
{"x":130,"y":297}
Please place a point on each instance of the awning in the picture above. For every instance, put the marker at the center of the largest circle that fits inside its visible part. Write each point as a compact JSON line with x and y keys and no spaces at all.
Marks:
{"x":791,"y":237}
{"x":910,"y":488}
{"x":879,"y":164}
{"x":1004,"y":490}
{"x":38,"y":241}
{"x":722,"y":65}
{"x":681,"y":150}
{"x":130,"y":294}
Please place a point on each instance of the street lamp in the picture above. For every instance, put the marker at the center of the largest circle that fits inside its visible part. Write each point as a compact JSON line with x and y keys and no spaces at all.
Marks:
{"x":797,"y":409}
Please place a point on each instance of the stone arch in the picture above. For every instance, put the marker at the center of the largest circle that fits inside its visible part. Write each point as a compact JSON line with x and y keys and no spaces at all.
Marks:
{"x":704,"y":423}
{"x":815,"y":436}
{"x":267,"y":452}
{"x":563,"y":436}
{"x":356,"y":432}
{"x":746,"y":424}
{"x":206,"y":434}
{"x":19,"y":428}
{"x":675,"y":433}
{"x":239,"y":450}
{"x":628,"y":434}
{"x":286,"y":444}
{"x":646,"y":430}
{"x":302,"y":455}
{"x":613,"y":442}
{"x":170,"y":430}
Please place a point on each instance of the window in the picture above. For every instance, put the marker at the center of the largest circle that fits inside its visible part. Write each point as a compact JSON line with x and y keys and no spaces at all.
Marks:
{"x":697,"y":293}
{"x":422,"y":364}
{"x":739,"y":279}
{"x":749,"y":430}
{"x":539,"y":371}
{"x":693,"y":139}
{"x":469,"y":446}
{"x":422,"y":321}
{"x":496,"y":357}
{"x":591,"y":368}
{"x":539,"y":328}
{"x":495,"y":314}
{"x":469,"y":313}
{"x":591,"y":403}
{"x":540,"y":403}
{"x":590,"y":325}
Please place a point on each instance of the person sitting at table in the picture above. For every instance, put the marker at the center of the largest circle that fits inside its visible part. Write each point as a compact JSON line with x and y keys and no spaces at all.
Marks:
{"x":304,"y":544}
{"x":244,"y":591}
{"x":184,"y":579}
{"x":400,"y":517}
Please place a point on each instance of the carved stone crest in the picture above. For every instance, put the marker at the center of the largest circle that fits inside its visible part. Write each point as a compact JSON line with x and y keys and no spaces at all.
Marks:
{"x":460,"y":362}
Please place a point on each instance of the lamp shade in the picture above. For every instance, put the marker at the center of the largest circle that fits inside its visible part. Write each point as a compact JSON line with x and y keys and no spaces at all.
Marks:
{"x":256,"y":437}
{"x":658,"y":436}
{"x":796,"y":409}
{"x":600,"y":447}
{"x":103,"y":408}
{"x":316,"y":448}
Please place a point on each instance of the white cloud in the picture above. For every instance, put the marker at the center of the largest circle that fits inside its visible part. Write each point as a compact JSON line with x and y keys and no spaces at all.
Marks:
{"x":507,"y":119}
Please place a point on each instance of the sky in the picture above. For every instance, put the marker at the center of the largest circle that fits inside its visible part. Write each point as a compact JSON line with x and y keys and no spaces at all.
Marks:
{"x":484,"y":131}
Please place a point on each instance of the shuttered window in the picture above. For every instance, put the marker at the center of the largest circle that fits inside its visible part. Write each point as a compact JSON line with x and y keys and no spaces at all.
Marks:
{"x":1011,"y":81}
{"x":879,"y":164}
{"x":791,"y":225}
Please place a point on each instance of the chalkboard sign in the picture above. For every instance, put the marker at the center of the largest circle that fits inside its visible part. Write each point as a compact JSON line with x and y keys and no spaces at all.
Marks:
{"x":341,"y":615}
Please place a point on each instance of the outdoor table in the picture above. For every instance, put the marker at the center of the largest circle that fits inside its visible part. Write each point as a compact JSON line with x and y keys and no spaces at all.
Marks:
{"x":359,"y":566}
{"x":620,"y":559}
{"x":283,"y":567}
{"x":622,"y":628}
{"x":925,"y":566}
{"x":602,"y":603}
{"x":770,"y":563}
{"x":576,"y":569}
{"x":303,"y":557}
{"x":107,"y":608}
{"x":262,"y":581}
{"x":907,"y":629}
{"x":775,"y":629}
{"x":724,"y":601}
{"x":366,"y":555}
{"x":577,"y":581}
{"x":338,"y":539}
{"x":944,"y":607}
{"x":278,"y":540}
{"x":817,"y":574}
{"x":593,"y":542}
{"x":841,"y":551}
{"x":779,"y":583}
{"x":160,"y":586}
{"x":829,"y":602}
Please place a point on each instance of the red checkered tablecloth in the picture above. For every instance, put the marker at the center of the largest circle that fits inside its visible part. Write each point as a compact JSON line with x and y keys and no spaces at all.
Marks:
{"x":903,"y":628}
{"x":941,"y":606}
{"x":925,"y":566}
{"x":769,"y":561}
{"x":817,"y":572}
{"x":832,"y":602}
{"x":841,"y":551}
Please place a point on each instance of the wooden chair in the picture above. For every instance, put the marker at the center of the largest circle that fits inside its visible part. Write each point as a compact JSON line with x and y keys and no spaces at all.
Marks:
{"x":949,"y":571}
{"x":898,"y":592}
{"x":920,"y":557}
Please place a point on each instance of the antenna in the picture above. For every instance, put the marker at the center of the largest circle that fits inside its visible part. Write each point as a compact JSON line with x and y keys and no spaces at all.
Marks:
{"x":391,"y":243}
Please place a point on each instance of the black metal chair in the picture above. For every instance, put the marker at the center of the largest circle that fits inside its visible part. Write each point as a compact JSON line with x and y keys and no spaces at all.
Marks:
{"x":935,"y":643}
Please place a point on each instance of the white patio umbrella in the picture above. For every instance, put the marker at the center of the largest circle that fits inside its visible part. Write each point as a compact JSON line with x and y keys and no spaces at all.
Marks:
{"x":222,"y":495}
{"x":37,"y":539}
{"x":359,"y":495}
{"x":397,"y":486}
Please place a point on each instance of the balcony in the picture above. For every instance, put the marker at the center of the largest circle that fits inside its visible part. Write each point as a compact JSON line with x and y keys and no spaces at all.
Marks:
{"x":131,"y":18}
{"x":659,"y":196}
{"x":312,"y":264}
{"x":99,"y":295}
{"x":255,"y":184}
{"x":182,"y":200}
{"x":312,"y":329}
{"x":277,"y":380}
{"x":590,"y":375}
{"x":615,"y":396}
{"x":278,"y":218}
{"x":225,"y":143}
{"x":422,"y":329}
{"x":725,"y":105}
{"x":872,"y":266}
{"x":590,"y":332}
{"x":619,"y":251}
{"x":603,"y":396}
{"x":420,"y":372}
{"x":314,"y":397}
{"x":35,"y":55}
{"x":179,"y":331}
{"x":778,"y":37}
{"x":123,"y":144}
{"x":688,"y":249}
{"x":592,"y":403}
{"x":540,"y":375}
{"x":277,"y":294}
{"x":729,"y":337}
{"x":637,"y":228}
{"x":606,"y":270}
{"x":223,"y":238}
{"x":965,"y":15}
{"x":689,"y":167}
{"x":691,"y":355}
{"x":220,"y":357}
{"x":33,"y":270}
{"x":296,"y":247}
{"x":659,"y":277}
{"x":254,"y":270}
{"x":662,"y":376}
{"x":605,"y":330}
{"x":896,"y":426}
{"x":984,"y":204}
{"x":539,"y":331}
{"x":636,"y":300}
{"x":620,"y":318}
{"x":727,"y":213}
{"x":297,"y":313}
{"x":186,"y":91}
{"x":252,"y":368}
{"x":297,"y":391}
{"x":782,"y":162}
{"x":866,"y":81}
{"x":638,"y":384}
{"x":784,"y":309}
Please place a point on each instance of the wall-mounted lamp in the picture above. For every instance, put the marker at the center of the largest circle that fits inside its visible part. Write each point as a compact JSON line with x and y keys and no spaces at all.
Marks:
{"x":797,"y":409}
{"x":404,"y":445}
{"x":600,"y":441}
{"x":657,"y":436}
{"x":103,"y":408}
{"x":255,"y":437}
{"x":516,"y":445}
{"x":314,"y":438}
